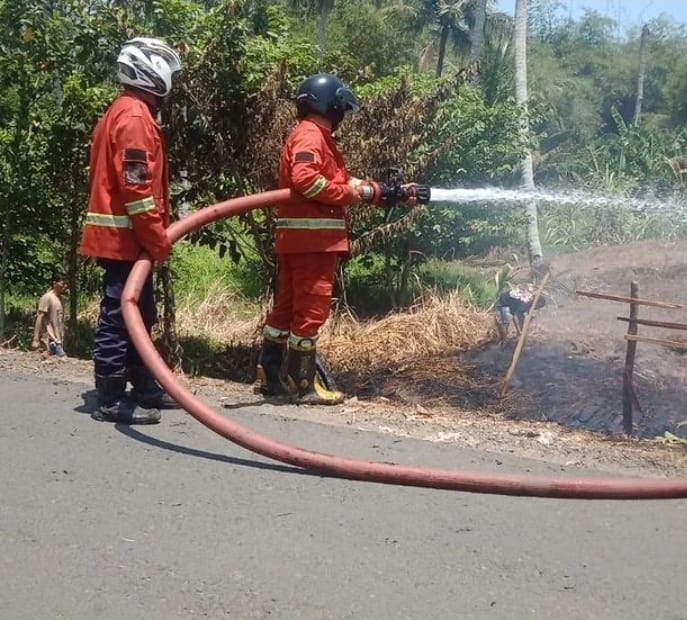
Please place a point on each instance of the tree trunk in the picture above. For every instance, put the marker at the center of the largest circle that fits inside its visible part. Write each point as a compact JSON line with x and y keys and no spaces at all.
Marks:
{"x":641,"y":73}
{"x":521,"y":96}
{"x":326,"y":7}
{"x":443,"y":39}
{"x":171,"y":347}
{"x":477,"y":34}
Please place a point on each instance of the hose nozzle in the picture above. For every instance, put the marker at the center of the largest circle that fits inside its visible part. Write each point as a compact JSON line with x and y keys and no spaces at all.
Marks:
{"x":421,"y":193}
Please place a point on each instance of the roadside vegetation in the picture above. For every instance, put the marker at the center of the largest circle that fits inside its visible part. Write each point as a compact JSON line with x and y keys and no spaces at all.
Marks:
{"x":437,"y":81}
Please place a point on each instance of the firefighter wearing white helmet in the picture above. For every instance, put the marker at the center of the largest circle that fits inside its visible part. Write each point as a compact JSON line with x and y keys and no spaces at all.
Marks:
{"x":128,"y":212}
{"x":148,"y":65}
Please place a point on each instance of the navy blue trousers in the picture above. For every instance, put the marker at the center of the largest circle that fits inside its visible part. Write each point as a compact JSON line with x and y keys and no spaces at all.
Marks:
{"x":112,"y":348}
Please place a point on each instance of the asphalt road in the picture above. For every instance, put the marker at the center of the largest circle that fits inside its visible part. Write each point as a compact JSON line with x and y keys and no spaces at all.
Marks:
{"x":171,"y":521}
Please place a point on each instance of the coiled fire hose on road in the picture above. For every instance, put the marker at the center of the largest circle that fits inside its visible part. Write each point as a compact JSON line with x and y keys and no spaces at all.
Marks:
{"x":469,"y":481}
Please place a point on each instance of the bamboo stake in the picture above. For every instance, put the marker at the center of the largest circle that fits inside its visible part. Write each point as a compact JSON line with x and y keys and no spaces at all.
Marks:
{"x":523,"y":335}
{"x":650,"y":323}
{"x":667,"y":343}
{"x":629,"y":395}
{"x":639,"y":302}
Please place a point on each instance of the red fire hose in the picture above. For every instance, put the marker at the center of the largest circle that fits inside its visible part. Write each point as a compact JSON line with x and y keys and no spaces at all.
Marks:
{"x":476,"y":482}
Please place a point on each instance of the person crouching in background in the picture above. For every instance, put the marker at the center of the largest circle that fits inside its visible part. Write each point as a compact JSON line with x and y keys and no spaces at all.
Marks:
{"x":511,"y":307}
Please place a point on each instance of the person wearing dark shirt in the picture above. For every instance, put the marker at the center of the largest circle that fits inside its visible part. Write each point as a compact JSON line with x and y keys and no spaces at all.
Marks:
{"x":511,"y":307}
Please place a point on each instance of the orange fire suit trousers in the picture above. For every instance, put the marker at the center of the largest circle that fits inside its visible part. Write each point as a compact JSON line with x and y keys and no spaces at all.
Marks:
{"x":304,"y":293}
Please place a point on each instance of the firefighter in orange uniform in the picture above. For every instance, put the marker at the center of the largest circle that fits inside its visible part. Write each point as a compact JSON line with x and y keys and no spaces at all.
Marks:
{"x":311,"y":237}
{"x":128,"y":211}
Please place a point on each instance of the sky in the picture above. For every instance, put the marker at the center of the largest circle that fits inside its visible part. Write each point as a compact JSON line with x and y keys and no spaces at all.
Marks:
{"x":627,"y":13}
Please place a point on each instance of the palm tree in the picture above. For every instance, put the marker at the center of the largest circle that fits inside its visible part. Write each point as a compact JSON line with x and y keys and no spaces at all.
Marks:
{"x":323,"y":10}
{"x":448,"y":21}
{"x":477,"y":31}
{"x":452,"y":20}
{"x":521,"y":96}
{"x":641,"y":73}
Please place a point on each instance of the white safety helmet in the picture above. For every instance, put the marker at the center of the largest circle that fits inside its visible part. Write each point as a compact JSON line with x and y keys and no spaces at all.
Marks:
{"x":148,"y":64}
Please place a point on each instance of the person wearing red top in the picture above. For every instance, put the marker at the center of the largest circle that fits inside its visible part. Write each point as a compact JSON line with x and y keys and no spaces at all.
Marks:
{"x":128,"y":212}
{"x":311,"y":237}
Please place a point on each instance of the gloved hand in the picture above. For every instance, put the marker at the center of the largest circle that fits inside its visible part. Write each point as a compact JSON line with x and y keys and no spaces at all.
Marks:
{"x":369,"y":192}
{"x":361,"y":191}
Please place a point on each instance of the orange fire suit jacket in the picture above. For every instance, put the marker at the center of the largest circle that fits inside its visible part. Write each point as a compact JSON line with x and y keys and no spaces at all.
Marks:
{"x":313,"y":167}
{"x":128,"y":205}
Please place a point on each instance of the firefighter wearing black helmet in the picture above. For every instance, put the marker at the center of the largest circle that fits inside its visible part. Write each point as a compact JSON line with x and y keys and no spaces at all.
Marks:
{"x":311,"y":237}
{"x":324,"y":94}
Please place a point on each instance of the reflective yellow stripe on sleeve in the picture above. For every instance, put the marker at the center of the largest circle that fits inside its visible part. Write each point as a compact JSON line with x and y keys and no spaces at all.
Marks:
{"x":316,"y":187}
{"x":140,"y":206}
{"x":314,"y":223}
{"x":109,"y":221}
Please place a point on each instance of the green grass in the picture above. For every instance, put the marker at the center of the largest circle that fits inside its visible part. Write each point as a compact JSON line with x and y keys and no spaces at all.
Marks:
{"x":575,"y":227}
{"x":370,"y":288}
{"x":476,"y":286}
{"x":199,"y":271}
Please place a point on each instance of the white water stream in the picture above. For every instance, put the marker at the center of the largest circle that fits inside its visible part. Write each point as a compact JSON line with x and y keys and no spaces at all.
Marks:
{"x":571,"y":197}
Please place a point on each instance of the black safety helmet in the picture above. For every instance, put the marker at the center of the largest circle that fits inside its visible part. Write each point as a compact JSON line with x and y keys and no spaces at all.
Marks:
{"x":325,"y":94}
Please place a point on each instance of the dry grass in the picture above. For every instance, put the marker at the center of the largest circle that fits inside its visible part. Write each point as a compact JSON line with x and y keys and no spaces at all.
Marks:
{"x":215,"y":318}
{"x":428,"y":329}
{"x":399,"y":341}
{"x":435,"y":326}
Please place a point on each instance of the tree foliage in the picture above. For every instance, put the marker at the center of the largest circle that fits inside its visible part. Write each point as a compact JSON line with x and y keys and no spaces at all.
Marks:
{"x":233,"y":108}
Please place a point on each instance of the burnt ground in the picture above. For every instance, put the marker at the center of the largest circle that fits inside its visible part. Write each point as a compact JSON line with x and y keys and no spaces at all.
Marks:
{"x":572,"y":368}
{"x":570,"y":371}
{"x":564,"y":405}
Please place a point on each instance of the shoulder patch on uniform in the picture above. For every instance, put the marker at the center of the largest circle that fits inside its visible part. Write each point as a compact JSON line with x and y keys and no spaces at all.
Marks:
{"x":135,"y":155}
{"x":304,"y":156}
{"x":136,"y":173}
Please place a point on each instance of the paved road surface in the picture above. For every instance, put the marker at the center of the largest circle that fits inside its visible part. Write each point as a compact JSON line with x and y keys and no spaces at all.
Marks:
{"x":171,"y":521}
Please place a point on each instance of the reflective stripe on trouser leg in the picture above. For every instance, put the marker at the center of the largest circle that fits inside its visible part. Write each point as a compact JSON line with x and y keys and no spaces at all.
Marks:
{"x":275,"y":334}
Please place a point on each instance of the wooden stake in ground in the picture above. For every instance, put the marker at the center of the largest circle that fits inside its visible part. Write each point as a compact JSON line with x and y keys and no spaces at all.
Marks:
{"x":629,"y":394}
{"x":523,"y":335}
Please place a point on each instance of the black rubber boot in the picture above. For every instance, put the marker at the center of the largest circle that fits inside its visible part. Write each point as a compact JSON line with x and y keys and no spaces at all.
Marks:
{"x":115,"y":406}
{"x":268,"y":372}
{"x":302,"y":371}
{"x":147,"y":392}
